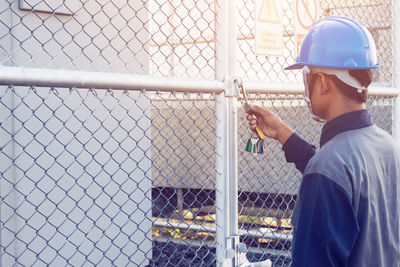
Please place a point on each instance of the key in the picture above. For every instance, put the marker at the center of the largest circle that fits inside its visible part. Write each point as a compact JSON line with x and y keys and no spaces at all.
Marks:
{"x":260,"y":133}
{"x":255,"y":145}
{"x":249,"y":145}
{"x":247,"y":108}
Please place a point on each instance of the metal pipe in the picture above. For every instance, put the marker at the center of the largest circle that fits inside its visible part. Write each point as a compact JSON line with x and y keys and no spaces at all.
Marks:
{"x":200,"y":243}
{"x":259,"y":233}
{"x":232,"y":132}
{"x":233,"y":174}
{"x":396,"y":66}
{"x":298,"y":88}
{"x":19,"y":76}
{"x":269,"y":87}
{"x":383,"y":91}
{"x":221,"y":144}
{"x":223,"y":69}
{"x":221,"y":197}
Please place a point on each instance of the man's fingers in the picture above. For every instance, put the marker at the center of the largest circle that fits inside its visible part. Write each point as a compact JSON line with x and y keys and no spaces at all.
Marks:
{"x":250,"y":117}
{"x":253,"y":123}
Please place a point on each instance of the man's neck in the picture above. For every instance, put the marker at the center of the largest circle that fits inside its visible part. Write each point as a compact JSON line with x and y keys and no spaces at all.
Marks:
{"x":341,"y":109}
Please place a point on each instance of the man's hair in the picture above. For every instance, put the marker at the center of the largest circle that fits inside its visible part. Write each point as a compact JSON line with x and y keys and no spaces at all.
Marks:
{"x":364,"y":77}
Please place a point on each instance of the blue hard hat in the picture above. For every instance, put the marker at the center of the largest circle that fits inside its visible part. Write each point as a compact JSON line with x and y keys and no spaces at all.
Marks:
{"x":337,"y":42}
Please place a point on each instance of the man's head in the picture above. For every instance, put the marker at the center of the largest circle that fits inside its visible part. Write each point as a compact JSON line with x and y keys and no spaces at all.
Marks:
{"x":337,"y":56}
{"x":331,"y":91}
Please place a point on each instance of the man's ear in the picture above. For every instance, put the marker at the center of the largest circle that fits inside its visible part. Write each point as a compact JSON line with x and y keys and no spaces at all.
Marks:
{"x":326,"y":86}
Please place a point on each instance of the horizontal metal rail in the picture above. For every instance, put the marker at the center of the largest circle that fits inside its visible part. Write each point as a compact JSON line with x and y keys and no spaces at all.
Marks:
{"x":298,"y":88}
{"x":200,"y":243}
{"x":19,"y":76}
{"x":261,"y":233}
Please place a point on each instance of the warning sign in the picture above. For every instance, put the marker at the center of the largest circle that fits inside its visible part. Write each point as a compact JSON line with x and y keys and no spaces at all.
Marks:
{"x":268,"y":12}
{"x":268,"y":27}
{"x":307,"y":12}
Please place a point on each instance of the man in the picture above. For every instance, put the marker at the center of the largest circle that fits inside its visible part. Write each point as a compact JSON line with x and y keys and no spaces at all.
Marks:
{"x":347,"y":208}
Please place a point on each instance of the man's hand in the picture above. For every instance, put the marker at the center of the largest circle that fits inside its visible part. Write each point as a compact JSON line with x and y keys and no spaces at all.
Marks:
{"x":270,"y":124}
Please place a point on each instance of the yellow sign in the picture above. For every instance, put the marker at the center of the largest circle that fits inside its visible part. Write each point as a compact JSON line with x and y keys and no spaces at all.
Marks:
{"x":268,"y":12}
{"x":269,"y":36}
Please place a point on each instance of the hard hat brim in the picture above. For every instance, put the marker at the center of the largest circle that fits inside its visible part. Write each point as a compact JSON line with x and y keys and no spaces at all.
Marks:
{"x":299,"y":65}
{"x":295,"y":66}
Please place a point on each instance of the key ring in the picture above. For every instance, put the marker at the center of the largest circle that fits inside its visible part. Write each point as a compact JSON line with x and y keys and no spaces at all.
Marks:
{"x":239,"y":87}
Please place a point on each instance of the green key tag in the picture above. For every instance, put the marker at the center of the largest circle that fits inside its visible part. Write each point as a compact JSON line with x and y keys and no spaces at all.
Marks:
{"x":253,"y":145}
{"x":249,"y":145}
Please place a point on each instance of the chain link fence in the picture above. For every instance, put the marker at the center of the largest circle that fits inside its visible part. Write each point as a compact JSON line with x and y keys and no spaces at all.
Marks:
{"x":154,"y":37}
{"x":75,"y":177}
{"x":129,"y":177}
{"x":115,"y":177}
{"x":91,"y":177}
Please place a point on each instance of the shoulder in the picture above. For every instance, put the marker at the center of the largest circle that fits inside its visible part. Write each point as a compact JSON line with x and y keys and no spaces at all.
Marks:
{"x":337,"y":159}
{"x":345,"y":157}
{"x":332,"y":162}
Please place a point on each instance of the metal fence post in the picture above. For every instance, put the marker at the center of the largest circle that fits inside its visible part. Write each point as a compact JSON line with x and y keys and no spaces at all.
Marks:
{"x":221,"y":196}
{"x":396,"y":66}
{"x":233,"y":173}
{"x":227,"y":227}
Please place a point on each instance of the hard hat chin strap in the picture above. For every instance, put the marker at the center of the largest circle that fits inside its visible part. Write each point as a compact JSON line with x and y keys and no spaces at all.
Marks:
{"x":307,"y":97}
{"x":343,"y":75}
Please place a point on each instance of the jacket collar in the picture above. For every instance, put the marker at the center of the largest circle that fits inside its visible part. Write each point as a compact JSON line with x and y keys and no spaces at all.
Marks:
{"x":348,"y":121}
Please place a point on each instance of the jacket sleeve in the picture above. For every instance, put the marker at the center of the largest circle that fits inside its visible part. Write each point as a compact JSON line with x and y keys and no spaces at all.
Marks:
{"x":326,"y":227}
{"x":298,"y":151}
